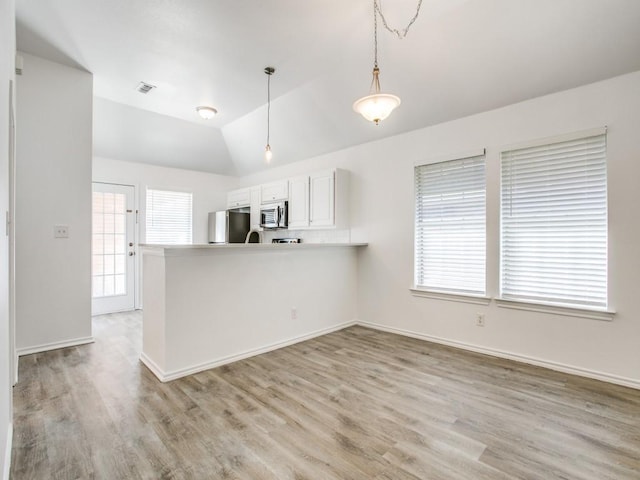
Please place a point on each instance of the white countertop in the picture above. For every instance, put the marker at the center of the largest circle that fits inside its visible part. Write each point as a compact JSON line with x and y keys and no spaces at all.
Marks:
{"x":238,"y":247}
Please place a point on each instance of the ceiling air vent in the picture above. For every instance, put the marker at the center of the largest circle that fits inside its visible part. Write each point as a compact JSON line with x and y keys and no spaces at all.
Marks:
{"x":145,"y":87}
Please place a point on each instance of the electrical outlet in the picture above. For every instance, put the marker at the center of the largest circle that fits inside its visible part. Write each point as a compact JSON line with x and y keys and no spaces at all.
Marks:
{"x":480,"y":319}
{"x":294,"y":313}
{"x":61,"y":231}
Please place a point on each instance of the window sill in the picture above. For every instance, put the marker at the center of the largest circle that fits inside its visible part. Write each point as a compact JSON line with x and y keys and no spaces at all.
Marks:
{"x":451,"y":297}
{"x":593,"y":314}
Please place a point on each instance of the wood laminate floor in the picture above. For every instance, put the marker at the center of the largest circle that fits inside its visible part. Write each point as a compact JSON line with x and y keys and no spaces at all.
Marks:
{"x":356,"y":404}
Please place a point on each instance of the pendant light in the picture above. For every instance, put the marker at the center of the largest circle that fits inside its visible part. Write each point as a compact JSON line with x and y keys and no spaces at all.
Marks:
{"x":268,"y":154}
{"x":377,"y":106}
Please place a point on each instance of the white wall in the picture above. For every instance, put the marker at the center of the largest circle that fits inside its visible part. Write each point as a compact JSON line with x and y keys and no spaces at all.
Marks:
{"x":382,"y":214}
{"x":53,"y":187}
{"x":209,"y":190}
{"x":7,"y":56}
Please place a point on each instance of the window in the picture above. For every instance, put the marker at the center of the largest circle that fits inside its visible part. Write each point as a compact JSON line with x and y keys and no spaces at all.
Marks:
{"x":554,"y":223}
{"x":168,"y":217}
{"x":450,"y":226}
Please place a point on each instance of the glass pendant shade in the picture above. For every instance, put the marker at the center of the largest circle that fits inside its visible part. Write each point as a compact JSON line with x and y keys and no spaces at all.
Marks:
{"x":376,"y":106}
{"x":268,"y":154}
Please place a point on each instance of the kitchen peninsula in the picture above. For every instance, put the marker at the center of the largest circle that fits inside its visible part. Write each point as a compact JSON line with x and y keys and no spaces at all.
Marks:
{"x":208,"y":305}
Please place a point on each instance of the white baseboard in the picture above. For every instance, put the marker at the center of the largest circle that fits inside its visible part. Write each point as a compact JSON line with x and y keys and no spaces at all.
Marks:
{"x":560,"y":367}
{"x":54,"y":346}
{"x":7,"y":453}
{"x":151,"y":365}
{"x":183,"y":372}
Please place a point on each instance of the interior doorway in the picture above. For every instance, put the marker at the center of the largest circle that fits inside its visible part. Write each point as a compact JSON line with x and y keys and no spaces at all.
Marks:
{"x":113,"y":248}
{"x":11,"y":233}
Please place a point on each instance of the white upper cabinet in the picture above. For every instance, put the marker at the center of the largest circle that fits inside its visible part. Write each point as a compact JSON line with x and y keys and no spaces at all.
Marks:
{"x":299,"y":202}
{"x":273,"y":192}
{"x":319,"y":200}
{"x":322,"y":199}
{"x":255,"y":208}
{"x":239,"y":198}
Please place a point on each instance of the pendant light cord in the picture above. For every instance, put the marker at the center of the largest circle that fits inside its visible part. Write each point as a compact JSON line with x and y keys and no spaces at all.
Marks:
{"x":269,"y":71}
{"x":399,"y":33}
{"x":268,"y":105}
{"x":375,"y":33}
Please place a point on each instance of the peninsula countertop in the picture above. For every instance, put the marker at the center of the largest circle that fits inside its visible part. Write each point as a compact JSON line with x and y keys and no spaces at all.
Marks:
{"x":206,"y":248}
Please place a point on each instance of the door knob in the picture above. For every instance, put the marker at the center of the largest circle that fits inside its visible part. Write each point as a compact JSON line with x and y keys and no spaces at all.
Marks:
{"x":131,"y":244}
{"x":131,"y":254}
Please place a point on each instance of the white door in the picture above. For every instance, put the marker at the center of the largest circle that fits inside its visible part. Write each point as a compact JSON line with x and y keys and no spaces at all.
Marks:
{"x":113,"y":249}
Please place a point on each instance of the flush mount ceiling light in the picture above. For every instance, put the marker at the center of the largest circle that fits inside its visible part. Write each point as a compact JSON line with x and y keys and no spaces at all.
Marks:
{"x":377,"y":106}
{"x":268,"y":154}
{"x":206,"y":112}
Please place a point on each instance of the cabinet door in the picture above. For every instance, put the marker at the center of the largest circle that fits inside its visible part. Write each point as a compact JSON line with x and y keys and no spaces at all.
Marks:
{"x":299,"y":202}
{"x":322,"y":199}
{"x":255,"y":208}
{"x":274,"y":192}
{"x":239,"y":198}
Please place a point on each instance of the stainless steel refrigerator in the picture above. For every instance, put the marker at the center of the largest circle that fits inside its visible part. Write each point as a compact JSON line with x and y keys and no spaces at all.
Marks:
{"x":229,"y":226}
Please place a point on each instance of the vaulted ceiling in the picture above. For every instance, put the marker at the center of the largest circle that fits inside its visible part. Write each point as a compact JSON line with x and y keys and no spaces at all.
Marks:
{"x":460,"y":57}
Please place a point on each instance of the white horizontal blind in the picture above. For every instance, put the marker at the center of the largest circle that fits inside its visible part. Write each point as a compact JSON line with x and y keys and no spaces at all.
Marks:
{"x":554,"y":223}
{"x":168,"y":217}
{"x":450,"y":226}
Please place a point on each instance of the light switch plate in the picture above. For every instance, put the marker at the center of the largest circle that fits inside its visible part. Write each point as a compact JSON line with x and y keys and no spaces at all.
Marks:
{"x":61,"y":231}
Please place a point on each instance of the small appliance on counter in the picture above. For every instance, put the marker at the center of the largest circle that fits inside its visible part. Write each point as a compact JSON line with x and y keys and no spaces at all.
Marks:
{"x":286,"y":240}
{"x":254,"y":236}
{"x":274,"y":215}
{"x":229,"y":226}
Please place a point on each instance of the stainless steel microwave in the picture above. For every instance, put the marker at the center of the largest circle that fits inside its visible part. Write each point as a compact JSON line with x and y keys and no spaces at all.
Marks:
{"x":274,"y":215}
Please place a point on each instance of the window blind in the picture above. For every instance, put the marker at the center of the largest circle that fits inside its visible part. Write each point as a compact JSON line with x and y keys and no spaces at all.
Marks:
{"x":168,"y":217}
{"x":554,"y":223}
{"x":450,"y":226}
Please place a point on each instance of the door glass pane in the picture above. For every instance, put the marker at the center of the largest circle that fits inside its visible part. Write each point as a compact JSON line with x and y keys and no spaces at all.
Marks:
{"x":97,"y":265}
{"x":108,"y":285}
{"x":109,"y":265}
{"x":98,"y":202}
{"x":120,"y":264}
{"x":97,"y":244}
{"x":109,"y":204}
{"x":120,"y":244}
{"x":119,"y":223}
{"x":109,"y":244}
{"x":98,"y":224}
{"x":109,"y":226}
